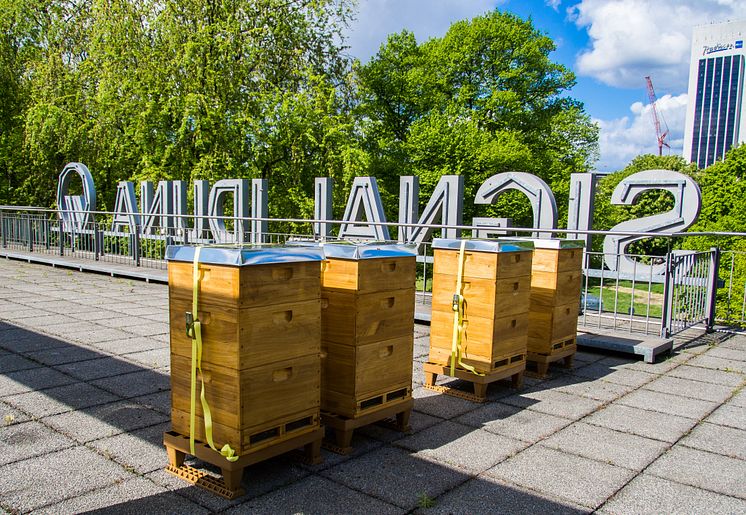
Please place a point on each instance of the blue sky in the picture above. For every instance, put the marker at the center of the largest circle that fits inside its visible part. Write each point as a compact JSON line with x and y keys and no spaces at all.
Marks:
{"x":611,"y":45}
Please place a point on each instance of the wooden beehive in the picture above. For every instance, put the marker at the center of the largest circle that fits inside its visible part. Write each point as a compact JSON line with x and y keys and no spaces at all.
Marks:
{"x":556,"y":280}
{"x":367,"y":320}
{"x":496,"y":287}
{"x":260,"y":312}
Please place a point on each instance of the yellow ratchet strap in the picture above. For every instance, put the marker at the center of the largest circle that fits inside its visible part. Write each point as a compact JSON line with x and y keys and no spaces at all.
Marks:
{"x":194,"y":330}
{"x":459,"y":324}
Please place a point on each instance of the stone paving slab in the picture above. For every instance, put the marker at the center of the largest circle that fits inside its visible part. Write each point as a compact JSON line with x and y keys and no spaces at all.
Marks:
{"x":647,"y":495}
{"x":462,"y":447}
{"x":606,"y":445}
{"x":569,"y":477}
{"x":718,"y":439}
{"x":486,"y":495}
{"x":702,"y":469}
{"x":86,"y":421}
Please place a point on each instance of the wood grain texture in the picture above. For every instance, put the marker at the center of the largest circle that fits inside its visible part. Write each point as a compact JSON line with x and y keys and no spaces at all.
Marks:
{"x":483,"y":265}
{"x":557,"y":260}
{"x":551,"y":325}
{"x":369,"y":275}
{"x":357,"y":319}
{"x":366,"y":370}
{"x":486,"y":298}
{"x":245,"y":338}
{"x":247,"y":286}
{"x":552,"y":289}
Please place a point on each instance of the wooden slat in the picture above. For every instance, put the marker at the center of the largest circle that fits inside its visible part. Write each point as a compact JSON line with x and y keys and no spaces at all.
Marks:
{"x":246,"y":338}
{"x":557,"y":260}
{"x":483,"y":265}
{"x":357,"y":319}
{"x":369,"y":275}
{"x":552,"y":289}
{"x":485,"y":298}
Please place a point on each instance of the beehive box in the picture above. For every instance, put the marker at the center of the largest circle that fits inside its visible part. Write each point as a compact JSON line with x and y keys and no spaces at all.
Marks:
{"x":260,"y":311}
{"x":496,"y":287}
{"x":556,"y":281}
{"x":367,"y":320}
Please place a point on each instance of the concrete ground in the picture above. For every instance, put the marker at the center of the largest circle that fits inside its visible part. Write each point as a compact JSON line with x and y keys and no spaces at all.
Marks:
{"x":84,"y":401}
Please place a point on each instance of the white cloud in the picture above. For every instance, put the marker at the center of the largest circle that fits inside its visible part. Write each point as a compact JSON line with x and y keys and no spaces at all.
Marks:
{"x":554,"y":4}
{"x":376,"y":19}
{"x":633,"y":38}
{"x":623,"y":139}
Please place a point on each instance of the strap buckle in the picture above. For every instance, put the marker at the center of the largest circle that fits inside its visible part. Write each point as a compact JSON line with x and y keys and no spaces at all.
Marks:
{"x":456,"y":302}
{"x":190,"y":325}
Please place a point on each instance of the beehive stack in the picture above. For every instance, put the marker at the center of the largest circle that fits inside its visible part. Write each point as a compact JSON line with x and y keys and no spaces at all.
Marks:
{"x":556,"y":279}
{"x":259,"y":308}
{"x":496,"y":287}
{"x":367,"y":327}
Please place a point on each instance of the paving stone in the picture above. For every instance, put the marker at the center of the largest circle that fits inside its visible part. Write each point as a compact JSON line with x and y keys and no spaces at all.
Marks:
{"x":135,"y":384}
{"x":156,"y":358}
{"x":718,"y":439}
{"x":707,"y":360}
{"x":666,"y":403}
{"x":22,"y":340}
{"x":41,"y":322}
{"x":100,"y":336}
{"x":316,"y":495}
{"x":98,"y":368}
{"x":707,"y":375}
{"x":474,"y":450}
{"x":93,"y":313}
{"x":599,"y":390}
{"x":25,"y":485}
{"x":633,"y":378}
{"x":739,"y":398}
{"x":396,"y":476}
{"x":60,"y":355}
{"x":726,"y":353}
{"x":13,"y":362}
{"x":160,"y":401}
{"x":29,"y":440}
{"x":439,"y":404}
{"x":527,"y":425}
{"x":361,"y":445}
{"x":691,"y":389}
{"x":417,"y":421}
{"x":129,"y":344}
{"x":729,"y":415}
{"x":651,"y":495}
{"x":662,"y":366}
{"x":10,"y":415}
{"x":156,"y":317}
{"x":555,"y":403}
{"x":141,"y":451}
{"x":702,"y":469}
{"x":32,"y":379}
{"x":60,"y":399}
{"x":119,"y":321}
{"x":587,"y":357}
{"x":606,"y":445}
{"x":650,"y":424}
{"x":486,"y":495}
{"x":562,"y":475}
{"x":104,"y":420}
{"x":135,"y":496}
{"x":71,"y":327}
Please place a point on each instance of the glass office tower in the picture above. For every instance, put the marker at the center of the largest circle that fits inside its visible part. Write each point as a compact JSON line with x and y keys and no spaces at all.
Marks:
{"x":715,"y":120}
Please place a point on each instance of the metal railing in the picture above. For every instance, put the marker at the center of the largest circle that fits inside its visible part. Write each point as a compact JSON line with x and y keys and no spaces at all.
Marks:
{"x":686,"y":294}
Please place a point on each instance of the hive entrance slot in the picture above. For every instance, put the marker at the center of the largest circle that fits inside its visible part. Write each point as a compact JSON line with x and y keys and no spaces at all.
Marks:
{"x":397,"y":394}
{"x":264,"y":435}
{"x":298,"y":424}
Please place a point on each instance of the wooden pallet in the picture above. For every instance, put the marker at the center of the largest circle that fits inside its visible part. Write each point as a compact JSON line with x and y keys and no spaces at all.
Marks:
{"x":514,"y":371}
{"x":394,"y":415}
{"x":229,"y":486}
{"x":561,"y":351}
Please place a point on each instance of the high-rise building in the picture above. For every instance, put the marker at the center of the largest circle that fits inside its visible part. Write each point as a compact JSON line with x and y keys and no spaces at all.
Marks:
{"x":715,"y":117}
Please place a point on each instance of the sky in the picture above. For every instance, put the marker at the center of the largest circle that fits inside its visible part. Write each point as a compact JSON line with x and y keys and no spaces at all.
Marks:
{"x":610,"y":45}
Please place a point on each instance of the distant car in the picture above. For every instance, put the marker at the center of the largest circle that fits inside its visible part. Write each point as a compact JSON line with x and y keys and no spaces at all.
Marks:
{"x":590,"y":302}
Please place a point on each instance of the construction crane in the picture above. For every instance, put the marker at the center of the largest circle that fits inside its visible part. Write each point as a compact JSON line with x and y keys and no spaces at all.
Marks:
{"x":661,"y":136}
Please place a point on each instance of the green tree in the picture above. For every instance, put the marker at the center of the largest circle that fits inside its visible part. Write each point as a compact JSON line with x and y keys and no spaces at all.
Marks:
{"x":483,"y":99}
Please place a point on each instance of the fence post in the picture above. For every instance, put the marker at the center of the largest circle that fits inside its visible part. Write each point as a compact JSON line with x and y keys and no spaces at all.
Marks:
{"x":712,"y":288}
{"x":668,"y":287}
{"x":96,"y":242}
{"x":135,"y":245}
{"x":61,"y":236}
{"x":2,"y":229}
{"x":30,"y":233}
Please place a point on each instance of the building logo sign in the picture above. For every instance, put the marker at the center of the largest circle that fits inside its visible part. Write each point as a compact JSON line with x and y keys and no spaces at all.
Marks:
{"x":721,"y":47}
